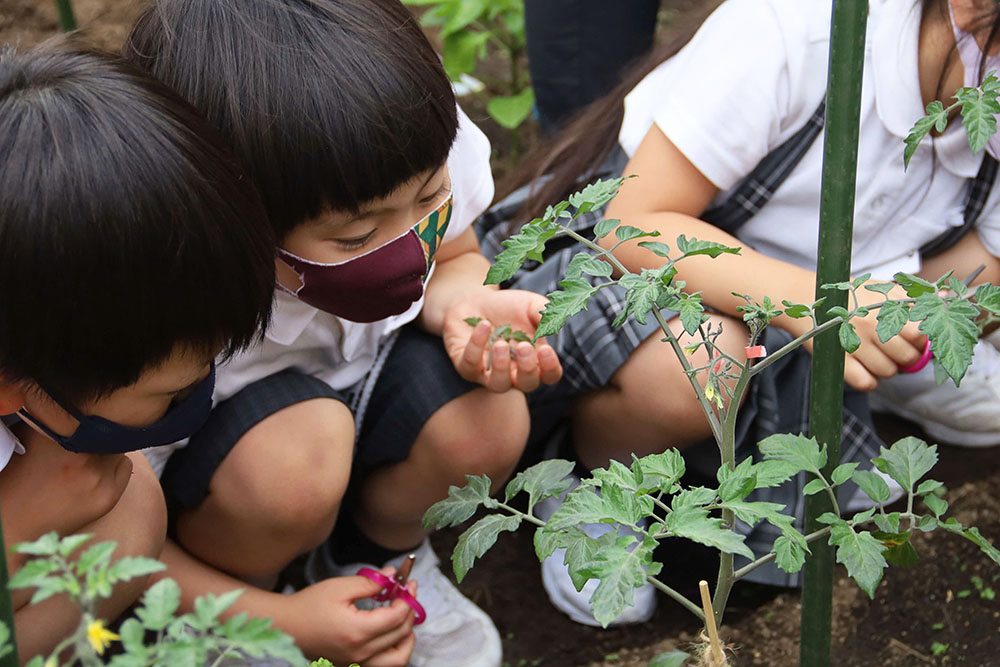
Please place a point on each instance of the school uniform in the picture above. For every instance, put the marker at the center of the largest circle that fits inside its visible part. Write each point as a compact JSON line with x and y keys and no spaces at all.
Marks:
{"x":743,"y":101}
{"x":392,"y":375}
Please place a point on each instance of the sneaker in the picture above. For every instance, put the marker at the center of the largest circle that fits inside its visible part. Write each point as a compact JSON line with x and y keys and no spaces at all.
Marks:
{"x":559,"y":586}
{"x":456,"y":633}
{"x":968,"y":415}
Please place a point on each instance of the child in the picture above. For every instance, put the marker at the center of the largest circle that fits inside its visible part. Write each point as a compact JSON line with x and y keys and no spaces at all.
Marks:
{"x":696,"y":129}
{"x":370,"y":390}
{"x":133,"y":250}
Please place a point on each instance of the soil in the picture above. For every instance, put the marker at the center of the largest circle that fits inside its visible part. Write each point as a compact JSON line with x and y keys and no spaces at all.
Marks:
{"x":932,"y":613}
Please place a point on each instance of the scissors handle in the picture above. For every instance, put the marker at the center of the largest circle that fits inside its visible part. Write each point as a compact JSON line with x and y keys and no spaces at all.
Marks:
{"x":392,"y":590}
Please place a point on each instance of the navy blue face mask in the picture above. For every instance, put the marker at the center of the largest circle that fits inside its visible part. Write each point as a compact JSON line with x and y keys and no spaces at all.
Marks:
{"x":97,"y":435}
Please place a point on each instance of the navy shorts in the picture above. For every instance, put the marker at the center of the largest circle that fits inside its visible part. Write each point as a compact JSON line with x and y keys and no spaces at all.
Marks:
{"x":413,"y":379}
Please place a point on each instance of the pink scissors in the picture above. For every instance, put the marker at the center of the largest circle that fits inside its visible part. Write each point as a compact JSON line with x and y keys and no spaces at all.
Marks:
{"x":395,"y":587}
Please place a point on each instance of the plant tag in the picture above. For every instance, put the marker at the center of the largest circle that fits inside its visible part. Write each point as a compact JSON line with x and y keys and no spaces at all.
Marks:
{"x":756,"y":352}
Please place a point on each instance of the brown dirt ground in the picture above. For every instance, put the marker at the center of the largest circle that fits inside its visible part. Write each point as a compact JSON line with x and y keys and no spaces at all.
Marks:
{"x":933,"y":601}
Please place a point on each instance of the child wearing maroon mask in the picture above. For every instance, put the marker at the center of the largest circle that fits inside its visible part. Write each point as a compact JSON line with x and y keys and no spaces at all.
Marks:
{"x":370,"y":393}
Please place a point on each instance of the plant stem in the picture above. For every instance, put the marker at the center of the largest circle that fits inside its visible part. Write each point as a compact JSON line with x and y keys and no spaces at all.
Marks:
{"x":67,"y":20}
{"x":684,"y":602}
{"x":527,"y":517}
{"x":764,"y":560}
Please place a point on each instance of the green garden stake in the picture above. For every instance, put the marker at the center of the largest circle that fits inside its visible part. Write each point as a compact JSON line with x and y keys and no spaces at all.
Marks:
{"x":7,"y":609}
{"x":67,"y":20}
{"x":840,"y":157}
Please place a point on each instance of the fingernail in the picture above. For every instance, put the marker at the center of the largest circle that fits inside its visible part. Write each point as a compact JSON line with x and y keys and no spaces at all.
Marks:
{"x":524,"y":351}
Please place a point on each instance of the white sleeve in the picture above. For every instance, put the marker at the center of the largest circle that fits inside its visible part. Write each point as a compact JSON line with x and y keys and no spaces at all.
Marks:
{"x":734,"y":92}
{"x":471,"y":176}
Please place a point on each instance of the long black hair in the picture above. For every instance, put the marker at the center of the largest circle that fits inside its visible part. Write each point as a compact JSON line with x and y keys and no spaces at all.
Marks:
{"x":329,"y":103}
{"x":127,"y":229}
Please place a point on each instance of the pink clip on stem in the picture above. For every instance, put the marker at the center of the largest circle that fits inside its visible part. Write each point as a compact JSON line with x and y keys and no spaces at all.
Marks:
{"x":756,"y":352}
{"x":392,"y":590}
{"x":921,"y":362}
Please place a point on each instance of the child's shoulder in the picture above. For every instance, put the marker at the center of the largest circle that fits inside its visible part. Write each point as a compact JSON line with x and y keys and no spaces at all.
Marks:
{"x":9,"y":444}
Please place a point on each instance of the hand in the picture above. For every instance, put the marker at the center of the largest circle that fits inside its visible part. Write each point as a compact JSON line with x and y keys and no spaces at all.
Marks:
{"x":328,"y":625}
{"x":474,"y":358}
{"x":874,"y":359}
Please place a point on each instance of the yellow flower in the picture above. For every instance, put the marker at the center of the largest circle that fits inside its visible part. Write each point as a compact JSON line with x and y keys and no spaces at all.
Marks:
{"x":99,"y":636}
{"x":710,"y":392}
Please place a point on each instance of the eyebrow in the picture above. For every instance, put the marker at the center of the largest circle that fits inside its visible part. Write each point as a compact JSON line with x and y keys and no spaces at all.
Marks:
{"x":385,"y":209}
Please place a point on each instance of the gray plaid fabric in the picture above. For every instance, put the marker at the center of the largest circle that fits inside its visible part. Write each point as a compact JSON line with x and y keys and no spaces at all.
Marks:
{"x":592,"y":350}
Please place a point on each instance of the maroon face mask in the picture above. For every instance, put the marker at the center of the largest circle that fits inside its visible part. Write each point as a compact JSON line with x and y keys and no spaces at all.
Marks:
{"x":379,"y":284}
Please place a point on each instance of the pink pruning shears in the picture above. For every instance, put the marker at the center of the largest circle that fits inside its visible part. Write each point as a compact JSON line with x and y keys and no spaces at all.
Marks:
{"x":395,"y":587}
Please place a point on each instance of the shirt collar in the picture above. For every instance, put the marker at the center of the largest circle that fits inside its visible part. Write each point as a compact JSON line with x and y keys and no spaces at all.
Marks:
{"x":896,"y":77}
{"x":289,"y":319}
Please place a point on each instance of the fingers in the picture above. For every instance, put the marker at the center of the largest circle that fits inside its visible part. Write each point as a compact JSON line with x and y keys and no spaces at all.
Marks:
{"x":395,"y":633}
{"x":470,"y":364}
{"x":527,"y":377}
{"x":857,"y":376}
{"x":397,"y":656}
{"x":550,"y":368}
{"x":499,"y":373}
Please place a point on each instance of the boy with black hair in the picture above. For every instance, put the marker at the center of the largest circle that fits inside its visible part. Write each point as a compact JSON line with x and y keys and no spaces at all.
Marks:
{"x":132,"y":251}
{"x":369,"y":374}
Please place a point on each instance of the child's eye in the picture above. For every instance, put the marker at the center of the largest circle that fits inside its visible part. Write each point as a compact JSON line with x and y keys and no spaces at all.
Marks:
{"x":355,"y":243}
{"x":430,"y":199}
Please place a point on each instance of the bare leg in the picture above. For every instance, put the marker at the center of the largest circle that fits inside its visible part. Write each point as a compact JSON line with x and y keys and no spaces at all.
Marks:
{"x":649,"y":404}
{"x":477,"y":433}
{"x":278,"y":492}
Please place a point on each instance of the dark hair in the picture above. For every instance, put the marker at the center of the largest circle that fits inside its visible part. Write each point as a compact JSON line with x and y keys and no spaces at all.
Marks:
{"x":573,"y":156}
{"x":329,"y":103}
{"x":126,"y":228}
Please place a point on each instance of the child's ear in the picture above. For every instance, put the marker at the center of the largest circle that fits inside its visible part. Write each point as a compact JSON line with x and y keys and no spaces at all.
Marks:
{"x":11,"y":396}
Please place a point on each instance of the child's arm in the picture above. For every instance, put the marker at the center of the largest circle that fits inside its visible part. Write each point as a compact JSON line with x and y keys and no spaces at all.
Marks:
{"x":456,"y":293}
{"x":668,"y":197}
{"x":321,"y":618}
{"x":59,"y":484}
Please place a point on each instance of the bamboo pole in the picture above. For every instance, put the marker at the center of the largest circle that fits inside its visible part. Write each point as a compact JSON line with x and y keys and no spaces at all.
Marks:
{"x":67,"y":20}
{"x":840,"y":152}
{"x":7,"y":607}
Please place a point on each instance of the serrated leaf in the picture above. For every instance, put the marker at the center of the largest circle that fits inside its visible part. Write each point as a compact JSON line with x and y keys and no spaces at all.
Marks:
{"x":208,"y":608}
{"x":952,"y":329}
{"x":691,"y":312}
{"x":95,"y":555}
{"x":529,"y":243}
{"x":936,"y":115}
{"x":662,"y":470}
{"x":658,"y":248}
{"x":563,"y":304}
{"x":842,"y":473}
{"x":460,"y":505}
{"x":988,"y":298}
{"x":872,"y":484}
{"x":693,"y":523}
{"x":881,"y":288}
{"x":131,"y":567}
{"x":693,"y":247}
{"x":737,"y":487}
{"x":478,"y":539}
{"x":620,"y":572}
{"x":774,"y":473}
{"x":908,"y":460}
{"x":616,"y":473}
{"x":69,"y":544}
{"x":974,"y":536}
{"x":978,"y":117}
{"x":596,"y":267}
{"x":892,"y":317}
{"x":935,"y":504}
{"x":595,"y":195}
{"x":914,"y":285}
{"x":628,"y":232}
{"x":861,"y":554}
{"x":612,"y":505}
{"x":580,"y":550}
{"x":813,"y":487}
{"x":52,"y":586}
{"x":548,"y":478}
{"x":694,"y":497}
{"x":802,"y":452}
{"x":605,"y":227}
{"x":790,"y":556}
{"x":159,"y":604}
{"x":849,"y":339}
{"x":46,"y":545}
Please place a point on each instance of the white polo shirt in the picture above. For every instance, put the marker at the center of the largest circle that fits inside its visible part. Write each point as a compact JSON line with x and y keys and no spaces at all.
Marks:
{"x":9,"y":444}
{"x":751,"y":78}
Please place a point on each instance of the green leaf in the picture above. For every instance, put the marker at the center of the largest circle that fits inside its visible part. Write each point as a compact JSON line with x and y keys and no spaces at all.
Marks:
{"x":691,"y":310}
{"x":612,"y":505}
{"x":606,"y":226}
{"x":512,"y":110}
{"x":907,"y":460}
{"x":861,"y":554}
{"x":872,"y":484}
{"x":936,"y":115}
{"x":32,"y":573}
{"x":461,"y":503}
{"x":928,"y":486}
{"x":927,"y":524}
{"x":641,"y":296}
{"x":937,"y":505}
{"x":790,"y":556}
{"x":472,"y":321}
{"x":862,"y":517}
{"x":881,"y":288}
{"x":620,"y":572}
{"x":461,"y":14}
{"x":53,"y":586}
{"x":94,"y":556}
{"x":208,"y":608}
{"x":478,"y":539}
{"x":988,"y":298}
{"x":662,"y":470}
{"x":694,"y":497}
{"x":563,"y":304}
{"x":658,"y":248}
{"x":580,"y":550}
{"x":737,"y":487}
{"x":952,"y":329}
{"x":913,"y":285}
{"x":849,"y":339}
{"x":131,"y":567}
{"x":774,"y":473}
{"x":461,"y":51}
{"x":842,"y":473}
{"x":974,"y":536}
{"x":892,"y":317}
{"x":796,"y":310}
{"x":802,"y":452}
{"x":617,"y":474}
{"x":669,"y":659}
{"x":814,"y":487}
{"x":548,"y":478}
{"x":902,"y":555}
{"x":69,"y":544}
{"x":596,"y":267}
{"x":46,"y":545}
{"x":693,"y":247}
{"x":595,"y":196}
{"x":627,"y":233}
{"x":529,"y":243}
{"x":693,"y":523}
{"x":978,"y":116}
{"x":159,"y":604}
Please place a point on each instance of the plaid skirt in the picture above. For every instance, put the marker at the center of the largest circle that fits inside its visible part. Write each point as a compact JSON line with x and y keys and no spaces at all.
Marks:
{"x":592,"y":350}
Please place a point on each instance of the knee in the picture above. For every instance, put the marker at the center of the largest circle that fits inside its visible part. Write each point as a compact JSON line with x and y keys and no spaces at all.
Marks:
{"x":481,"y":432}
